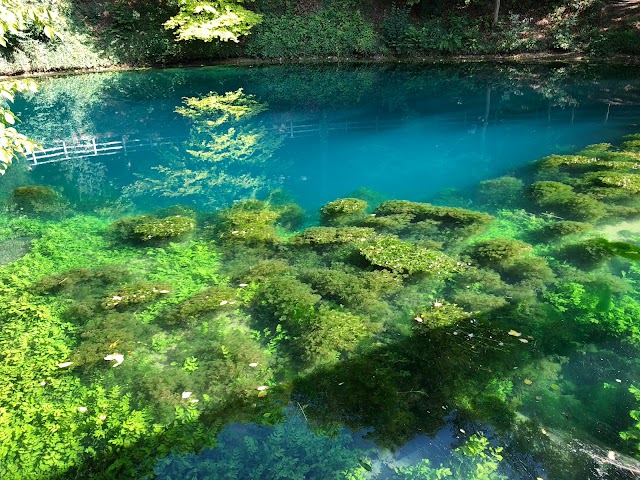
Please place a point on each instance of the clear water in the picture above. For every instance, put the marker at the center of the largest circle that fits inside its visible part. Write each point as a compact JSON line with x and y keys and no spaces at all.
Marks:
{"x":555,"y":404}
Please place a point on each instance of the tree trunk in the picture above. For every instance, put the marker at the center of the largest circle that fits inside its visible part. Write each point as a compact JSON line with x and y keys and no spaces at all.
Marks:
{"x":496,"y":11}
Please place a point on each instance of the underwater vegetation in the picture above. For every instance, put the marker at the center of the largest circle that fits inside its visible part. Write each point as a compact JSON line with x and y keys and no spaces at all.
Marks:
{"x":241,"y":342}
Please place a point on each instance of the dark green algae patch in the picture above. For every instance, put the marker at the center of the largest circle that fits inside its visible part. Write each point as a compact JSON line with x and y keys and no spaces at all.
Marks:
{"x":128,"y":344}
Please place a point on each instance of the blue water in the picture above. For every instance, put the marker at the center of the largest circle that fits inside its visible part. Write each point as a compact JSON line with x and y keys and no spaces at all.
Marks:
{"x":402,"y":132}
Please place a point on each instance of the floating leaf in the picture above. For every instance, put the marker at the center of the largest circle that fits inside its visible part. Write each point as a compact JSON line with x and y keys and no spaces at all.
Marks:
{"x":513,"y":333}
{"x":527,"y":381}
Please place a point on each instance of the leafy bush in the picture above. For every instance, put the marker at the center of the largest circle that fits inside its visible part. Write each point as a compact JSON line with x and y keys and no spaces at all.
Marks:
{"x":395,"y":27}
{"x":327,"y":32}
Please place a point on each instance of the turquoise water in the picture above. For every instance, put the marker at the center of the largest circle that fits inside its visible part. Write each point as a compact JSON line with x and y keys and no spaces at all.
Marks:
{"x":250,"y":345}
{"x":403,"y":132}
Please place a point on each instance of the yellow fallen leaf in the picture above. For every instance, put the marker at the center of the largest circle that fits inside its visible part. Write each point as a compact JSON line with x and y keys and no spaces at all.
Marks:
{"x":527,"y":381}
{"x":513,"y":333}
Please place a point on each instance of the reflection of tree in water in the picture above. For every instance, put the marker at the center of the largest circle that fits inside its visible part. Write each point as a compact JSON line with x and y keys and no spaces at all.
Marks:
{"x":227,"y":154}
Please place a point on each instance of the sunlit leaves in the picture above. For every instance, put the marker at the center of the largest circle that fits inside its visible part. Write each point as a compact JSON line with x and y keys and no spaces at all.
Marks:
{"x":13,"y":144}
{"x":206,"y":20}
{"x":16,"y":17}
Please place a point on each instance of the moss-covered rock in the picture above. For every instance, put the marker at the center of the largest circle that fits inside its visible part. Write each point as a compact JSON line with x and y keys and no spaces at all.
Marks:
{"x":332,"y":332}
{"x":548,"y":194}
{"x":565,"y":228}
{"x":342,"y":211}
{"x":628,"y":182}
{"x":407,"y":258}
{"x":251,"y":222}
{"x":438,"y":315}
{"x":211,"y":300}
{"x":503,"y":192}
{"x":285,"y":299}
{"x":82,"y":277}
{"x":323,"y":236}
{"x":150,"y":230}
{"x":115,"y":333}
{"x":560,"y":199}
{"x":495,"y":250}
{"x":39,"y":201}
{"x":135,"y":294}
{"x":448,"y":217}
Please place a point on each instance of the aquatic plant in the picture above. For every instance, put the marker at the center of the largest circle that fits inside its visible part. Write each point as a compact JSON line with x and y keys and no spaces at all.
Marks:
{"x":459,"y":220}
{"x":38,"y":200}
{"x":208,"y":301}
{"x":145,"y":229}
{"x":342,"y":211}
{"x":562,"y":200}
{"x":439,"y":314}
{"x":258,"y":453}
{"x":503,"y":192}
{"x":134,"y":294}
{"x":476,"y":459}
{"x":251,"y":222}
{"x":331,"y":332}
{"x":285,"y":299}
{"x":564,"y":228}
{"x":324,"y":236}
{"x":495,"y":250}
{"x":592,"y":252}
{"x":407,"y":258}
{"x":359,"y":292}
{"x":75,"y":278}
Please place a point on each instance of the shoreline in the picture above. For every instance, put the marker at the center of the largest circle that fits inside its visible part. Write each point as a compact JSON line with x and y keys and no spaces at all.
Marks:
{"x":544,"y":58}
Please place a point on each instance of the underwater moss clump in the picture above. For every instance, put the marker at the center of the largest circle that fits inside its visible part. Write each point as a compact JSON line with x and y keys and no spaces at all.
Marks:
{"x":148,"y":230}
{"x":210,"y":300}
{"x":407,"y":258}
{"x":135,"y":294}
{"x":38,"y":200}
{"x":342,"y":211}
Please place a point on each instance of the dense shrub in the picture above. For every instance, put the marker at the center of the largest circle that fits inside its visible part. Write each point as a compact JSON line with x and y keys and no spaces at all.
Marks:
{"x":327,"y":32}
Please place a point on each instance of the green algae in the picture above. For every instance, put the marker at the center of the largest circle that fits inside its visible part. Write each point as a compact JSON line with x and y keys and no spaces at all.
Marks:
{"x":372,"y":320}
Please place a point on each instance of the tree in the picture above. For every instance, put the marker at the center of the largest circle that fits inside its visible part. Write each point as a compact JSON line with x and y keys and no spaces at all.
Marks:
{"x":212,"y":19}
{"x":17,"y":19}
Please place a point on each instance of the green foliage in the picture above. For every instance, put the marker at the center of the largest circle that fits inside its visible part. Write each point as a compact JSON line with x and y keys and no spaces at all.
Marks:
{"x":438,"y":315}
{"x":503,"y":192}
{"x":476,"y":459}
{"x":251,"y":222}
{"x":227,"y":157}
{"x":146,"y":229}
{"x":206,"y":20}
{"x":13,"y":144}
{"x":260,"y":453}
{"x":492,"y":251}
{"x":395,"y":27}
{"x":331,"y":31}
{"x":39,"y":201}
{"x":211,"y":300}
{"x":406,"y":258}
{"x":341,"y":211}
{"x":323,"y":236}
{"x":564,"y":228}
